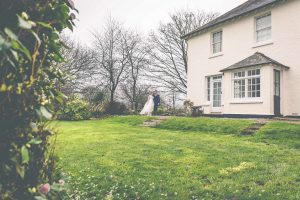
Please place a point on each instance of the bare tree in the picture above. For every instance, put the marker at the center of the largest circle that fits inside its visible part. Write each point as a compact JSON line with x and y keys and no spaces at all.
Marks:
{"x":78,"y":65}
{"x":169,"y":51}
{"x":111,"y":58}
{"x":141,"y":96}
{"x":136,"y":52}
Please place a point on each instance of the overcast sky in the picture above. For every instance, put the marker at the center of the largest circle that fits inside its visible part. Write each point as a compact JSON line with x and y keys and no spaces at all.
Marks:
{"x":142,"y":15}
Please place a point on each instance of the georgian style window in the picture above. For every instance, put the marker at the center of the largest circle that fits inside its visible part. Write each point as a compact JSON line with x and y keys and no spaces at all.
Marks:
{"x":254,"y":83}
{"x":246,"y":84}
{"x":216,"y":42}
{"x":263,"y":28}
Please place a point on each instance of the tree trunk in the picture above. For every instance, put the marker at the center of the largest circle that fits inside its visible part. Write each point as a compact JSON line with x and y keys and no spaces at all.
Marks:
{"x":134,"y":106}
{"x":112,"y":94}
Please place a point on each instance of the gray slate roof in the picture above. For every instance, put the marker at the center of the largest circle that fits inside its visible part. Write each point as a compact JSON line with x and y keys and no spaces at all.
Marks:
{"x":254,"y":60}
{"x":247,"y":7}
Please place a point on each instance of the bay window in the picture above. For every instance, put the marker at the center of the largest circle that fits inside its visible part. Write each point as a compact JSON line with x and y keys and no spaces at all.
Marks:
{"x":247,"y":84}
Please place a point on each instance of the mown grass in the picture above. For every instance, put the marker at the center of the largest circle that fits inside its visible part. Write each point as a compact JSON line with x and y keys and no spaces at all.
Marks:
{"x":115,"y":158}
{"x":280,"y":133}
{"x":231,"y":126}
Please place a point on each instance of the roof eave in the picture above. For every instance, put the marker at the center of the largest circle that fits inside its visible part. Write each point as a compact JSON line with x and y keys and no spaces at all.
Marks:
{"x":262,"y":64}
{"x":200,"y":31}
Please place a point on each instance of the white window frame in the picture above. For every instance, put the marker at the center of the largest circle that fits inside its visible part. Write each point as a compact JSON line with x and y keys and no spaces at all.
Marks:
{"x":208,"y":88}
{"x":212,"y":43}
{"x":247,"y":98}
{"x":269,"y":40}
{"x":218,"y":77}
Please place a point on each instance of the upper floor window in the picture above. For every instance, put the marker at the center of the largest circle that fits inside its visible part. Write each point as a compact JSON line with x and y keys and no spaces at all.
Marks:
{"x":263,"y":28}
{"x":216,"y":42}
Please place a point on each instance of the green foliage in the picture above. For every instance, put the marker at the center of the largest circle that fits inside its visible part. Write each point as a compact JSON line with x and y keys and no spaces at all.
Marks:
{"x":98,"y":97}
{"x":98,"y":101}
{"x":126,"y":161}
{"x":170,"y":112}
{"x":114,"y":108}
{"x":74,"y":110}
{"x":231,"y":126}
{"x":29,"y":45}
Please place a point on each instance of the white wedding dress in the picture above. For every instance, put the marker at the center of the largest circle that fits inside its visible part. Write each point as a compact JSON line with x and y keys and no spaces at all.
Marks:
{"x":149,"y":106}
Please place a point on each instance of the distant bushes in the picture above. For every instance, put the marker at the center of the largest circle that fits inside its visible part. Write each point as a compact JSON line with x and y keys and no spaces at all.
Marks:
{"x":170,"y":112}
{"x":107,"y":108}
{"x":115,"y":108}
{"x":74,"y":110}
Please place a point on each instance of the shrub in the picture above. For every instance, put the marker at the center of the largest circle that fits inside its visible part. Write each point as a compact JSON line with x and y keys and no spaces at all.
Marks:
{"x":74,"y":110}
{"x":29,"y":48}
{"x":98,"y":102}
{"x":188,"y":106}
{"x":170,"y":112}
{"x":115,"y":108}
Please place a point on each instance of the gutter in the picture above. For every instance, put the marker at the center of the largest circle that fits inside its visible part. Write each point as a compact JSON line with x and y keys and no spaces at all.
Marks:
{"x":204,"y":29}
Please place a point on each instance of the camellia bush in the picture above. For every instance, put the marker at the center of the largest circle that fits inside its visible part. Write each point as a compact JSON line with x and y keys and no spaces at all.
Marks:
{"x":29,"y":87}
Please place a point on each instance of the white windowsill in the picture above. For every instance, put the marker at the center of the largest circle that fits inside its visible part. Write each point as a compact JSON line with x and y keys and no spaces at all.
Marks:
{"x":246,"y":101}
{"x":216,"y":55}
{"x":264,"y":43}
{"x":206,"y":104}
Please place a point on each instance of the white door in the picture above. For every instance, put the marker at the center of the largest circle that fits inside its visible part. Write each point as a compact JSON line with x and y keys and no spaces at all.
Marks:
{"x":217,"y":95}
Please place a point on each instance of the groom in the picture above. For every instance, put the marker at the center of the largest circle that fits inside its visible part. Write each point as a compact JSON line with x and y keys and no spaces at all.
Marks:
{"x":156,"y":99}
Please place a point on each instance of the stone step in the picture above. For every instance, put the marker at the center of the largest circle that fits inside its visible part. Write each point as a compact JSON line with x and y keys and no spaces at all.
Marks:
{"x":154,"y":122}
{"x":253,"y":128}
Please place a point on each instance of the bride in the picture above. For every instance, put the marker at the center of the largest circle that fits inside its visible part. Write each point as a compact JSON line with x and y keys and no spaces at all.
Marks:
{"x":149,"y":106}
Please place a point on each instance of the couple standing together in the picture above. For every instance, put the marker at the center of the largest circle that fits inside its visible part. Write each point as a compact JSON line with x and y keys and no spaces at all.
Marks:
{"x":151,"y":104}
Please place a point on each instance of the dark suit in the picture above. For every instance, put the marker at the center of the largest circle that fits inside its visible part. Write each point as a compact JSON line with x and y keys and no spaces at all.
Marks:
{"x":156,"y":100}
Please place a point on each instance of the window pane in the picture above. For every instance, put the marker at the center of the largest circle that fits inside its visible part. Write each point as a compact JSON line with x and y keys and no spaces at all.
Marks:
{"x":258,"y":72}
{"x":239,"y":89}
{"x":217,"y":37}
{"x":217,"y":48}
{"x":208,"y":88}
{"x":239,"y":74}
{"x":277,"y":90}
{"x":254,"y":72}
{"x":263,"y":22}
{"x":217,"y":42}
{"x":263,"y":28}
{"x":257,"y":93}
{"x":247,"y":84}
{"x":253,"y":87}
{"x":277,"y":83}
{"x":264,"y":34}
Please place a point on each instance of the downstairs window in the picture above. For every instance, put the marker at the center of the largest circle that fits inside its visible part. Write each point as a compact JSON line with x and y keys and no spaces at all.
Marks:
{"x":247,"y":84}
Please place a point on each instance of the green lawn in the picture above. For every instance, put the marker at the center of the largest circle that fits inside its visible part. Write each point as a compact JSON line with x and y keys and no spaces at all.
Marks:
{"x":183,"y":158}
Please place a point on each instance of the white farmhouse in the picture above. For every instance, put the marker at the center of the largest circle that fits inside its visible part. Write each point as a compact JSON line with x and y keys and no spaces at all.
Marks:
{"x":247,"y":61}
